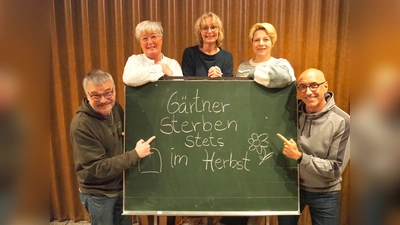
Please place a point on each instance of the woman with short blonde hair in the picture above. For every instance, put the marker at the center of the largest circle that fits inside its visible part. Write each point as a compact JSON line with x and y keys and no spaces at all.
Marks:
{"x":265,"y":69}
{"x":267,"y":27}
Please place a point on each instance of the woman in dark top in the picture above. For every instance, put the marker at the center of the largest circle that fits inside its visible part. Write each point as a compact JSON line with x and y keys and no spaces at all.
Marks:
{"x":207,"y":58}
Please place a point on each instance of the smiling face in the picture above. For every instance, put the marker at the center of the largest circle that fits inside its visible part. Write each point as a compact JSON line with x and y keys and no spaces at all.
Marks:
{"x":314,"y":100}
{"x":151,"y":44}
{"x":262,"y":45}
{"x":209,"y":31}
{"x":101,"y":97}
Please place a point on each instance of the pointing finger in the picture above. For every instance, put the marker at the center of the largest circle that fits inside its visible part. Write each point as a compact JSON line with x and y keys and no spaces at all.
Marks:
{"x":282,"y":138}
{"x":150,"y":139}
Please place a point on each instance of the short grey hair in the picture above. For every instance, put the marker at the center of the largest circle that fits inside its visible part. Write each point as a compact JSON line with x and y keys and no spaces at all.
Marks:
{"x":148,"y":26}
{"x":97,"y":77}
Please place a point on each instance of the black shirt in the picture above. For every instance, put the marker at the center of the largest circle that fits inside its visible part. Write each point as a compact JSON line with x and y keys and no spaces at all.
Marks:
{"x":196,"y":63}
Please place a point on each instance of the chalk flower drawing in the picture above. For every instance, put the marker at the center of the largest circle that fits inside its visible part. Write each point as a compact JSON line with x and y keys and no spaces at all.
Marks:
{"x":260,"y":144}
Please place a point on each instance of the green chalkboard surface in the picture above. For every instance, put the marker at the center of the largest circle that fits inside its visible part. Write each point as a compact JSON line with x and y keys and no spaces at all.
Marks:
{"x":216,"y":151}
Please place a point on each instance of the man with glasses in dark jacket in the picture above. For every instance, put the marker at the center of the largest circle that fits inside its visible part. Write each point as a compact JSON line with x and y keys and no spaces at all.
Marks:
{"x":97,"y":138}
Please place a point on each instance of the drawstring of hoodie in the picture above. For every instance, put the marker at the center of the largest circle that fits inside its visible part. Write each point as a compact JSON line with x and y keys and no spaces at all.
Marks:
{"x":304,"y":124}
{"x":314,"y":116}
{"x":111,"y":123}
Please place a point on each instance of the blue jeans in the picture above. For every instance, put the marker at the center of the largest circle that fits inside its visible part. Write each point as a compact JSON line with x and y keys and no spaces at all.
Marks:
{"x":324,"y":208}
{"x":7,"y":204}
{"x":104,"y":210}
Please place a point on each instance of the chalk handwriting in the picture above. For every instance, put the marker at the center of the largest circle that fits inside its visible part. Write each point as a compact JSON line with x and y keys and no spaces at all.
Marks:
{"x":194,"y":105}
{"x":204,"y":131}
{"x":215,"y":163}
{"x":198,"y":141}
{"x":177,"y":159}
{"x":171,"y":125}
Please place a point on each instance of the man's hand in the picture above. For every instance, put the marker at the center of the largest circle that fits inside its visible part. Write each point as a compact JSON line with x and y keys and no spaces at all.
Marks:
{"x":214,"y":71}
{"x":290,"y":148}
{"x":143,"y":147}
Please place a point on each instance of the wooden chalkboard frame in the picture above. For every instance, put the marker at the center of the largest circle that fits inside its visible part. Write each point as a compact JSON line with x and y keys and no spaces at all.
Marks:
{"x":141,"y":186}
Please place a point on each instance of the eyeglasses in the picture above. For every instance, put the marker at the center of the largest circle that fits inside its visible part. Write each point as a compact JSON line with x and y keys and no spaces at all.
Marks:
{"x":205,"y":29}
{"x":147,"y":39}
{"x":97,"y":97}
{"x":313,"y":87}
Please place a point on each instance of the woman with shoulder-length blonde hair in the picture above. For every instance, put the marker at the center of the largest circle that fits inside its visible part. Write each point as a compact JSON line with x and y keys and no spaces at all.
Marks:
{"x":265,"y":69}
{"x":207,"y":58}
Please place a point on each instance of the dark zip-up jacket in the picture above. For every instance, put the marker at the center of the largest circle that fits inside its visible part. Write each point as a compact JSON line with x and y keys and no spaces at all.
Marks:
{"x":98,"y":150}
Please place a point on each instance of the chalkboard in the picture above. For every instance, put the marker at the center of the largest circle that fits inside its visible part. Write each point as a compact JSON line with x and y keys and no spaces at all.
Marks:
{"x":216,"y":151}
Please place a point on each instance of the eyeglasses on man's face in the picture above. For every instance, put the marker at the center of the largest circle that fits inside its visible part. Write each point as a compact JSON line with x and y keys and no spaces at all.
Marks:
{"x":212,"y":28}
{"x":313,"y":87}
{"x":147,"y":39}
{"x":97,"y":97}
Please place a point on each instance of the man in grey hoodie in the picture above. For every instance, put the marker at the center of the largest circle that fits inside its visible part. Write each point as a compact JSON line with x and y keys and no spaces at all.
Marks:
{"x":322,"y":151}
{"x":96,"y":134}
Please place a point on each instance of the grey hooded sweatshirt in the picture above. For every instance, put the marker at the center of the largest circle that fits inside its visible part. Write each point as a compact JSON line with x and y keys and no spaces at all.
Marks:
{"x":98,"y":150}
{"x":324,"y":139}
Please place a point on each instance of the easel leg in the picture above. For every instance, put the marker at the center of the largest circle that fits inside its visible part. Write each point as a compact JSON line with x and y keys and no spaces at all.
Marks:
{"x":163,"y":220}
{"x":143,"y":220}
{"x":155,"y":220}
{"x":266,"y":220}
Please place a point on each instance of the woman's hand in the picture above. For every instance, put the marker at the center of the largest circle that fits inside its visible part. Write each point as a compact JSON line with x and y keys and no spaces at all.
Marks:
{"x":166,"y":70}
{"x":214,"y":71}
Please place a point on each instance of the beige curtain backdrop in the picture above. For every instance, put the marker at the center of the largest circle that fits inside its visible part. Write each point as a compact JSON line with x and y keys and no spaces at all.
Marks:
{"x":88,"y":34}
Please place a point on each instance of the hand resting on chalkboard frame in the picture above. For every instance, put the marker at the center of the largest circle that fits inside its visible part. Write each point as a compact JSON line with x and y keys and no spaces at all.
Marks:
{"x":202,"y":78}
